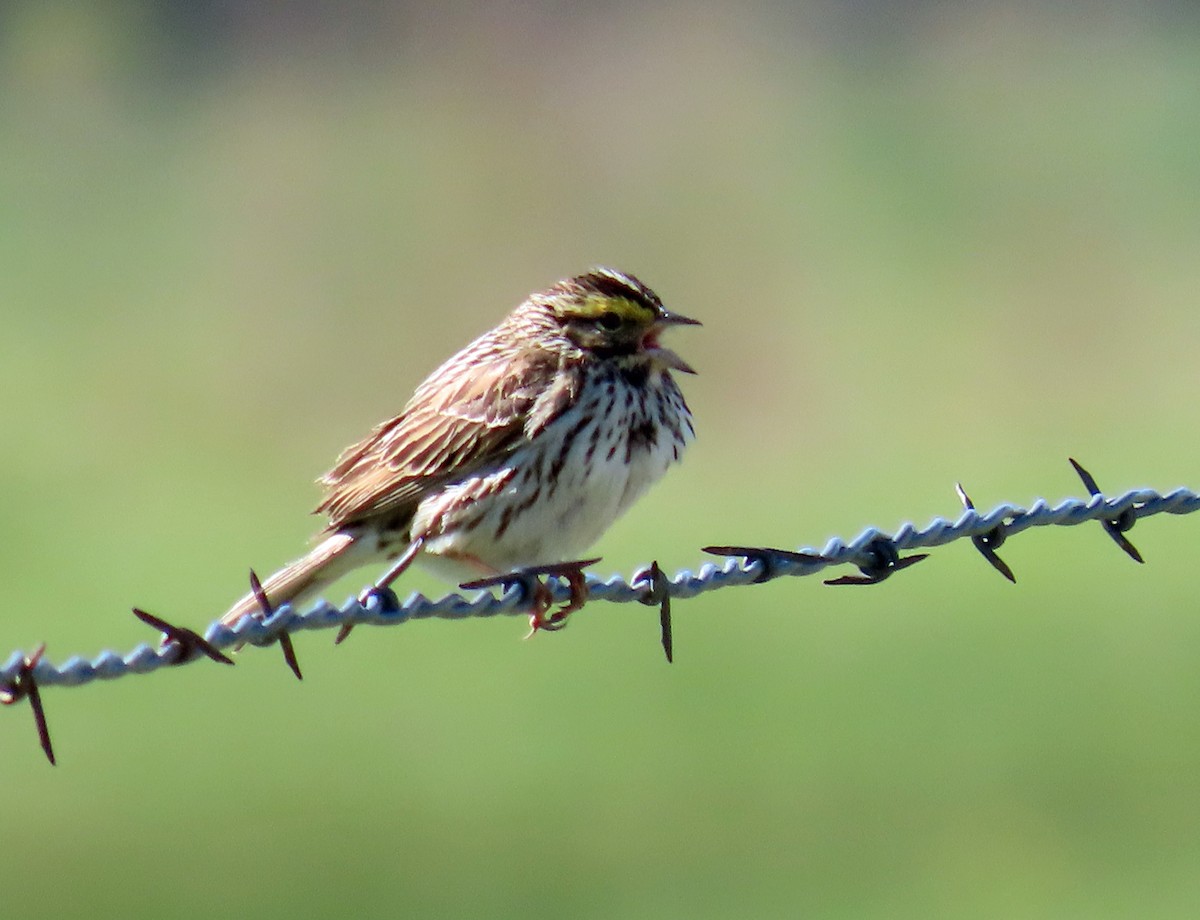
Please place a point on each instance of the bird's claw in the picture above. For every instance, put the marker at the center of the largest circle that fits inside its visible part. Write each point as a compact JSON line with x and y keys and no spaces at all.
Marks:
{"x":540,"y":597}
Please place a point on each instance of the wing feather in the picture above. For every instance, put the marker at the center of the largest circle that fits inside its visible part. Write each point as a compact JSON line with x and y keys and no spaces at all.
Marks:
{"x":471,"y":413}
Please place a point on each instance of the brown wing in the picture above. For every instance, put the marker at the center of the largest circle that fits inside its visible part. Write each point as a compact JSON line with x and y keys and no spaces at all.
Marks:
{"x":471,"y":412}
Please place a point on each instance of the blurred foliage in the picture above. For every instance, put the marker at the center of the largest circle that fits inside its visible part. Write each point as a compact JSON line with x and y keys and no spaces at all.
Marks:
{"x":929,"y":242}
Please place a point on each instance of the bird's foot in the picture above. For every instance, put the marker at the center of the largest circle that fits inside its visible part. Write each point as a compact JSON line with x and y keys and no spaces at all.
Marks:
{"x":540,"y":597}
{"x":386,"y":596}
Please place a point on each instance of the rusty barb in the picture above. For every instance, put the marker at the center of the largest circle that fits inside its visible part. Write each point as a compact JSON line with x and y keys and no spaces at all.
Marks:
{"x":22,"y":685}
{"x":658,"y":594}
{"x":533,"y":591}
{"x":266,"y":611}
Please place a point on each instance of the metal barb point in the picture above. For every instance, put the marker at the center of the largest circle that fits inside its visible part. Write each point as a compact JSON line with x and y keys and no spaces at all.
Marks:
{"x":987,"y":543}
{"x":883,"y":560}
{"x":191,"y":644}
{"x":289,"y":654}
{"x":768,"y":557}
{"x":536,"y":593}
{"x":658,"y":591}
{"x":267,"y":610}
{"x":1089,"y":481}
{"x":22,"y":686}
{"x":1114,"y":527}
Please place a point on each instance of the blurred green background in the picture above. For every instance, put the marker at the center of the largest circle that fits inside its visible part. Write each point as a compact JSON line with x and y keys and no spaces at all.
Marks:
{"x":929,"y":242}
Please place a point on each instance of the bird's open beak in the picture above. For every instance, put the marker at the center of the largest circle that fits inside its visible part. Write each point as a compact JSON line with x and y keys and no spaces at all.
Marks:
{"x":665,"y":356}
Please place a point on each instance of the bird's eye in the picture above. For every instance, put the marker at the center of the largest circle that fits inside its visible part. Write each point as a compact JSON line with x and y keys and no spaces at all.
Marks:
{"x":610,"y":320}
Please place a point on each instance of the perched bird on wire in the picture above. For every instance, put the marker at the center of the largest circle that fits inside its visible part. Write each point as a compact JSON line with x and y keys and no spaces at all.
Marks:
{"x":521,"y":450}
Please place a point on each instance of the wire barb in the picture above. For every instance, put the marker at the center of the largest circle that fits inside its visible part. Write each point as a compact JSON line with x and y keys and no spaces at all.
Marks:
{"x":882,"y":560}
{"x":987,"y":543}
{"x":191,"y":645}
{"x":658,"y":592}
{"x":1116,"y":526}
{"x":23,"y":685}
{"x":768,"y":558}
{"x":267,"y":610}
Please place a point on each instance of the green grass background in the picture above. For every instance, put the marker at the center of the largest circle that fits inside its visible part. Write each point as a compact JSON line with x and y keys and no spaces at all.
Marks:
{"x":928,"y":243}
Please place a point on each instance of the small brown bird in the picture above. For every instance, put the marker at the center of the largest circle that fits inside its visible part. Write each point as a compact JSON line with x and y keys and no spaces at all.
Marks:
{"x":520,"y":450}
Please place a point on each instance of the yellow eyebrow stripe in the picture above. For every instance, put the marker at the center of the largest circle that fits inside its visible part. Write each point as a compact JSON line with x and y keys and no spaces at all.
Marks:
{"x":629,"y":310}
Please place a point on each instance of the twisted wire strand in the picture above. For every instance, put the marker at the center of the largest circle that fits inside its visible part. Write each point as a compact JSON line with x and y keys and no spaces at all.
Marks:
{"x":1011,"y":519}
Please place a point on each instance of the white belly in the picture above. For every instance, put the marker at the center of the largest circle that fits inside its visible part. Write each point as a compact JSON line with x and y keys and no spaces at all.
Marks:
{"x":543,"y":505}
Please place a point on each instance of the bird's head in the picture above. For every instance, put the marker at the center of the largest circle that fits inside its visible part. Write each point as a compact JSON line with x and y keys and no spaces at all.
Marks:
{"x":610,"y":314}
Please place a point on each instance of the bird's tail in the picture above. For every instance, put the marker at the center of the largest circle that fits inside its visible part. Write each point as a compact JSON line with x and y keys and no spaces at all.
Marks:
{"x":328,"y":561}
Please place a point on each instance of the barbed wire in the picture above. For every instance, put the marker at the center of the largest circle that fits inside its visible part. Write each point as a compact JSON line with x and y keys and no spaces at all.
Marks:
{"x":875,"y":553}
